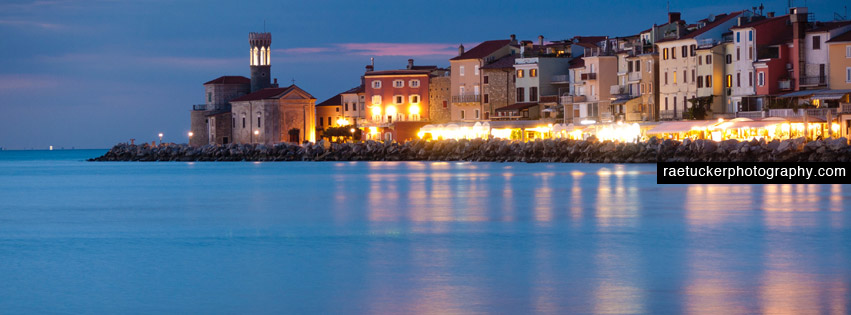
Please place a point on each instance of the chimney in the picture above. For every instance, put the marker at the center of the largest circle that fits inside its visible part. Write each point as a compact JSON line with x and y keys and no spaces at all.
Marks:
{"x":460,"y":49}
{"x":673,"y":17}
{"x":513,"y":39}
{"x":369,"y":68}
{"x":410,"y":64}
{"x":275,"y":83}
{"x":741,"y":20}
{"x":798,"y":17}
{"x":769,"y":15}
{"x":540,"y":40}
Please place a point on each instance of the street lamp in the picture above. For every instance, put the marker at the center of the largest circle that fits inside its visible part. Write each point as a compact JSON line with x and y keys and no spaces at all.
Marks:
{"x":256,"y":133}
{"x":161,"y":138}
{"x":353,"y":134}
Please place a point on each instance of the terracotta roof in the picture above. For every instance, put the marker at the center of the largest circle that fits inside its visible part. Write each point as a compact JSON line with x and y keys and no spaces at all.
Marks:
{"x":578,"y":62}
{"x":516,"y":106}
{"x":229,"y":79}
{"x":719,"y":19}
{"x":586,"y":45}
{"x":589,"y":39}
{"x":502,"y":63}
{"x":844,"y":37}
{"x":760,"y":22}
{"x":335,"y":100}
{"x":266,"y":93}
{"x":395,"y":72}
{"x":423,"y":67}
{"x":826,"y":26}
{"x":357,"y":89}
{"x":483,"y":50}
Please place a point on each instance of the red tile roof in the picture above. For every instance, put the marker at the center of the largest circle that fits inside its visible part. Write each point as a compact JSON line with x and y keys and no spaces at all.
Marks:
{"x":423,"y":67}
{"x":266,"y":93}
{"x":760,"y":22}
{"x":719,"y":19}
{"x":335,"y":100}
{"x":844,"y":37}
{"x":516,"y":106}
{"x":502,"y":63}
{"x":826,"y":26}
{"x":396,"y":72}
{"x":483,"y":50}
{"x":589,"y":39}
{"x":230,"y":79}
{"x":357,"y":89}
{"x":578,"y":62}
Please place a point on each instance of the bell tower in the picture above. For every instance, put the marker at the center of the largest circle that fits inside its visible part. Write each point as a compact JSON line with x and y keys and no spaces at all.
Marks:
{"x":261,"y":44}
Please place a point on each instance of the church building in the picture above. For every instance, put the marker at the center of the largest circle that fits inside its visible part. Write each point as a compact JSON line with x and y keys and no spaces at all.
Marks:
{"x":242,"y":110}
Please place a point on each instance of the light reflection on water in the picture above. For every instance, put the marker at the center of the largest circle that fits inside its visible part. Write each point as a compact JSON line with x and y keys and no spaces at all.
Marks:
{"x":414,"y":237}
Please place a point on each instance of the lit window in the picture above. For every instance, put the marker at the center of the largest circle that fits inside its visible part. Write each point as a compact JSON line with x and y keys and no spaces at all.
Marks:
{"x":462,"y":114}
{"x":414,"y":99}
{"x":729,"y":80}
{"x":519,"y":73}
{"x":376,"y":100}
{"x":533,"y":73}
{"x":398,"y":99}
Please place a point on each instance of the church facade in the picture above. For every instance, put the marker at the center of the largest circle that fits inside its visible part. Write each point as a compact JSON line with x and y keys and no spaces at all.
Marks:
{"x":253,"y":110}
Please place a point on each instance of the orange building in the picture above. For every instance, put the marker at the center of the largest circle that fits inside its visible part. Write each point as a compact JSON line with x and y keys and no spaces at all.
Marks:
{"x":395,"y":97}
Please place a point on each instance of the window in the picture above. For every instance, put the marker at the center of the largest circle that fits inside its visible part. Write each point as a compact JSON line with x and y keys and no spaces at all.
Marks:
{"x":209,"y":97}
{"x":848,"y":51}
{"x":649,"y":65}
{"x":684,"y":50}
{"x":729,"y":59}
{"x":738,"y":36}
{"x":533,"y":73}
{"x":398,"y":99}
{"x":520,"y":73}
{"x":329,"y":121}
{"x":533,"y":94}
{"x":637,"y":66}
{"x":477,"y":114}
{"x":321,"y":121}
{"x":675,"y":102}
{"x":692,"y":75}
{"x":475,"y":90}
{"x":675,"y":77}
{"x":816,"y":42}
{"x":709,"y":59}
{"x":414,"y":99}
{"x":414,"y":83}
{"x":729,"y":80}
{"x":708,"y":81}
{"x":476,"y":69}
{"x":376,"y":84}
{"x":461,"y":70}
{"x":761,"y":79}
{"x":485,"y":80}
{"x":738,"y":79}
{"x":848,"y":74}
{"x":750,"y":53}
{"x":243,"y":121}
{"x":666,"y":78}
{"x":337,"y":109}
{"x":445,"y":104}
{"x":485,"y":99}
{"x":347,"y":107}
{"x":665,"y":54}
{"x":258,"y":121}
{"x":699,"y":82}
{"x":738,"y":54}
{"x":376,"y":100}
{"x":641,"y":88}
{"x":463,"y":114}
{"x":461,"y":89}
{"x":750,"y":78}
{"x":685,"y":76}
{"x":673,"y":53}
{"x":233,"y":122}
{"x":693,"y":50}
{"x":666,"y":103}
{"x":699,"y":61}
{"x":520,"y":95}
{"x":398,"y":83}
{"x":750,"y":35}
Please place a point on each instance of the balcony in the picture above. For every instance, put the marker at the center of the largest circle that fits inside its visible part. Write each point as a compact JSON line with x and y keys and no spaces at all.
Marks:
{"x":560,"y":79}
{"x":589,"y":76}
{"x":466,"y":98}
{"x":199,"y":107}
{"x":785,"y":84}
{"x":813,"y":80}
{"x":570,"y":99}
{"x":670,"y":115}
{"x":634,"y":76}
{"x":750,"y":114}
{"x":549,"y":99}
{"x":812,"y":112}
{"x":618,"y":90}
{"x":845,"y":108}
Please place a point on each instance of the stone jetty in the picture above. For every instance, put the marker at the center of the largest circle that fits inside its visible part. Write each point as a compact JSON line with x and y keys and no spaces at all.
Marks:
{"x":479,"y":150}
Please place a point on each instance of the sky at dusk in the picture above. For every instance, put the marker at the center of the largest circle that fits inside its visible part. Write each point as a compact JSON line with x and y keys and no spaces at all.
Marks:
{"x":89,"y":74}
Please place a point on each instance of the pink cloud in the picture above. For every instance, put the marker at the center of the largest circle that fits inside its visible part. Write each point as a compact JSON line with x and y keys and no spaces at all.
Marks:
{"x":30,"y":24}
{"x":378,"y":49}
{"x":18,"y":82}
{"x":303,"y":50}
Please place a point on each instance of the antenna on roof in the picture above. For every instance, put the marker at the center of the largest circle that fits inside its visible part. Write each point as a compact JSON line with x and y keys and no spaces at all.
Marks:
{"x":264,"y":25}
{"x":293,"y":80}
{"x":668,"y":7}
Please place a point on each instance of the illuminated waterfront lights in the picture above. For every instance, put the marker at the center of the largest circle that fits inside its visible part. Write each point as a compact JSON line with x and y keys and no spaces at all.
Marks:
{"x":376,"y":110}
{"x":414,"y":110}
{"x":342,"y":122}
{"x":373,"y":130}
{"x":503,"y":133}
{"x":390,"y":110}
{"x":588,"y":122}
{"x":256,"y":132}
{"x":352,"y":130}
{"x":834,"y":127}
{"x":190,"y":134}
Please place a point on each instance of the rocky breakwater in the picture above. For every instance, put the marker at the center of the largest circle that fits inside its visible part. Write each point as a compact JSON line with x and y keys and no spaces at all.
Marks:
{"x":566,"y":151}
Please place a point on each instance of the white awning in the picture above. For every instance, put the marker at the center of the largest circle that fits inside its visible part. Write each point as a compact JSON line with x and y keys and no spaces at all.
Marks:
{"x":682,"y":126}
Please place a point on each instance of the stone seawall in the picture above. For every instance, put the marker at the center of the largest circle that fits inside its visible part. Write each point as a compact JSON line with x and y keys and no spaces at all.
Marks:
{"x":565,"y":151}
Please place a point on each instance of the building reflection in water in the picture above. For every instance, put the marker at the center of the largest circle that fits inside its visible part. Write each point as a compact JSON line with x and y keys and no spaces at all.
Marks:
{"x":617,"y":204}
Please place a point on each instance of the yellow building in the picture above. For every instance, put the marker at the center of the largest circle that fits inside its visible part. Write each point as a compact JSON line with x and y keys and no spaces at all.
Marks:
{"x":329,"y":113}
{"x":839,"y":59}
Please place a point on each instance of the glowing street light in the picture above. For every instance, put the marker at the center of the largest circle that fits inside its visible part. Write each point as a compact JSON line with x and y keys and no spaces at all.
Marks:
{"x":256,"y":132}
{"x":191,"y":134}
{"x":353,"y":133}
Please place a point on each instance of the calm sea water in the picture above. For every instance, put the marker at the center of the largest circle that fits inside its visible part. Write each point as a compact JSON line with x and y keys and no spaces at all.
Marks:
{"x":442,"y":238}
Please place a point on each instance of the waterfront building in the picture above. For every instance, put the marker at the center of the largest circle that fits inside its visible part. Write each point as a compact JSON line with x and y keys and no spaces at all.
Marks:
{"x":498,"y":82}
{"x":329,"y":113}
{"x":466,"y":77}
{"x":810,"y":51}
{"x":353,"y":102}
{"x":210,"y":122}
{"x":536,"y":72}
{"x":678,"y":62}
{"x":711,"y":61}
{"x":397,"y":102}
